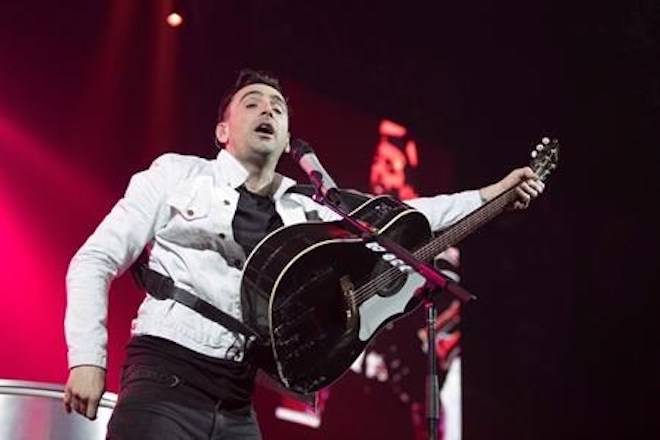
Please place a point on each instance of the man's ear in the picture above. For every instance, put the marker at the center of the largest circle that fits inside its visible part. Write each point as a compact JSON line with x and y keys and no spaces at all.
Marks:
{"x":222,"y":132}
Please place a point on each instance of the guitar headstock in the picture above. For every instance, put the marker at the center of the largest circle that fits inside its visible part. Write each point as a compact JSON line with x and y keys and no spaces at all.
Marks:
{"x":545,"y":158}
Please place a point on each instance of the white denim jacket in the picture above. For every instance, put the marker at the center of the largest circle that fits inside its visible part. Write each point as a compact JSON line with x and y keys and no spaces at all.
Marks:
{"x":184,"y":206}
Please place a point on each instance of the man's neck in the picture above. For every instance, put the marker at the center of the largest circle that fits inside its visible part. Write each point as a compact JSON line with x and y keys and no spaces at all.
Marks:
{"x":263,"y":184}
{"x":262,"y":178}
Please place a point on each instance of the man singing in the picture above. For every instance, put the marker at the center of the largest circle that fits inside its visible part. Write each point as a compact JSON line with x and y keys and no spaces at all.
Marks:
{"x":186,"y":375}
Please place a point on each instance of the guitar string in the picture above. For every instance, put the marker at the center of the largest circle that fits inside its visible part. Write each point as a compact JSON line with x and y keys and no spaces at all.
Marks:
{"x":426,"y":252}
{"x":463,"y":228}
{"x":386,"y":278}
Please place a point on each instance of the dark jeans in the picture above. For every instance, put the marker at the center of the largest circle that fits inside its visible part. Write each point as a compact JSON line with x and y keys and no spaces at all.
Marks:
{"x":154,"y":404}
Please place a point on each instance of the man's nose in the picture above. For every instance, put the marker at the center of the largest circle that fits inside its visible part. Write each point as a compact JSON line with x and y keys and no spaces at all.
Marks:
{"x":267,"y":108}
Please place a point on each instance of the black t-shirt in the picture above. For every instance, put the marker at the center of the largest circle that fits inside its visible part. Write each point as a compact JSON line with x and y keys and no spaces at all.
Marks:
{"x":255,"y":217}
{"x":227,"y":381}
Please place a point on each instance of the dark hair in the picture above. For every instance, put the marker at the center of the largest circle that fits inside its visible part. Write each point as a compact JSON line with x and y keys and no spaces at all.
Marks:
{"x":245,"y":78}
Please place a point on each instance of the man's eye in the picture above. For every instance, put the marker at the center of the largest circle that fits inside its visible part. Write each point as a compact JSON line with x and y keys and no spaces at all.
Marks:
{"x":250,"y":105}
{"x":278,"y":110}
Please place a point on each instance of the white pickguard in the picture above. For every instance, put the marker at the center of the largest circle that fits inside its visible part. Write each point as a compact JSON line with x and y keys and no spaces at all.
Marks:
{"x":377,"y":309}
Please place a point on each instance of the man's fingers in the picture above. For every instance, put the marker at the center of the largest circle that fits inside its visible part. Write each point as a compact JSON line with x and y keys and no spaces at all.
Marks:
{"x":82,"y":406}
{"x":76,"y":404}
{"x":529,"y":173}
{"x":523,"y":197}
{"x":86,"y":406}
{"x":92,"y":406}
{"x":525,"y":173}
{"x":67,"y":400}
{"x":529,"y":190}
{"x":538,"y":185}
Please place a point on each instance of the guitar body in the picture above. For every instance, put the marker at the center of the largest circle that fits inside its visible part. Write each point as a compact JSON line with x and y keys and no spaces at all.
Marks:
{"x":303,"y":289}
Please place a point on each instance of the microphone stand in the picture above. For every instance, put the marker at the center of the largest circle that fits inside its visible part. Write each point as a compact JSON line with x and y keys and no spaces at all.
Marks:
{"x":435,"y":283}
{"x":432,"y":383}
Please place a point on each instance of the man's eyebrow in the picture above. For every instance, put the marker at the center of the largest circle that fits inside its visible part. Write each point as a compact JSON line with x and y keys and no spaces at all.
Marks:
{"x":257,"y":92}
{"x":278,"y":99}
{"x":251,"y":92}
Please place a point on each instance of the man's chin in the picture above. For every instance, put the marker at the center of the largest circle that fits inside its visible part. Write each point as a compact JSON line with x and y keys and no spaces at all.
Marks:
{"x":266,"y":145}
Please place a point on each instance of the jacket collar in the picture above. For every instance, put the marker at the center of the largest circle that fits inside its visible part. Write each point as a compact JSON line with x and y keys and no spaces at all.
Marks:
{"x":232,"y":173}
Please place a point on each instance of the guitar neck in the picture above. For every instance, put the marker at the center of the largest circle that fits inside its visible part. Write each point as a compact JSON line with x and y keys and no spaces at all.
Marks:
{"x":466,"y":225}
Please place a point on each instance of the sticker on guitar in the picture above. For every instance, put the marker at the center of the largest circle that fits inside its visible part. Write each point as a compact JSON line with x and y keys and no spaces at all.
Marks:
{"x":389,"y":257}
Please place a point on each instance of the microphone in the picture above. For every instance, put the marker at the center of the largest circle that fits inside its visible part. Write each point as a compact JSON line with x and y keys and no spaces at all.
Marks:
{"x":447,"y":269}
{"x":309,"y":162}
{"x":447,"y":263}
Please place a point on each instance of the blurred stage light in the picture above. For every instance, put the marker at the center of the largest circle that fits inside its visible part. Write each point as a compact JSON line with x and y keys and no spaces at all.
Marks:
{"x":174,"y":19}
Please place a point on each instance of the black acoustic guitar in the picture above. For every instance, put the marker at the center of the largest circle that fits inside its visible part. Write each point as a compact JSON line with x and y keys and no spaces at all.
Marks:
{"x":319,"y":292}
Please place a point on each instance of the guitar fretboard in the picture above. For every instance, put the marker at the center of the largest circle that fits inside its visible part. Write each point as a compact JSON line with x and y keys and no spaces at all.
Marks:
{"x":466,"y":225}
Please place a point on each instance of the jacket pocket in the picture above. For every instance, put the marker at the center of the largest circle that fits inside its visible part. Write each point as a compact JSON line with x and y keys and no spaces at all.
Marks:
{"x":192,"y":200}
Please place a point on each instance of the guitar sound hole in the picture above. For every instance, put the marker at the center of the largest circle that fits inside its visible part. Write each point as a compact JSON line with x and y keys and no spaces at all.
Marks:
{"x":388,"y":279}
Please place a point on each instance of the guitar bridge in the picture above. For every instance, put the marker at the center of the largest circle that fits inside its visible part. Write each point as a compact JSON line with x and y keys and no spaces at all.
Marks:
{"x":350,"y":306}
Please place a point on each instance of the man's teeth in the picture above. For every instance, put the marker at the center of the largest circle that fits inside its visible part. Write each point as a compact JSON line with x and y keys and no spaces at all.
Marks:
{"x":265,"y":128}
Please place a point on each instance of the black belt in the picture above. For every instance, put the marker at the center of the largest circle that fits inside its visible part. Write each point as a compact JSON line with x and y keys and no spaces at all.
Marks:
{"x":161,"y":287}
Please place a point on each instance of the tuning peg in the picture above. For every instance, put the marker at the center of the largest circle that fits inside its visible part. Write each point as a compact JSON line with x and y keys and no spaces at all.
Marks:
{"x":545,"y":140}
{"x":540,"y":147}
{"x":534,"y":154}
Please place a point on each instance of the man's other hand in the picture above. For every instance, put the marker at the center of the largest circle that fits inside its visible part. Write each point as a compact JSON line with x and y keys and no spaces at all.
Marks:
{"x":84,"y":389}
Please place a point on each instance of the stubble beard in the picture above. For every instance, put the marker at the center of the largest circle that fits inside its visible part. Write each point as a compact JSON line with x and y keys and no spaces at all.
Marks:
{"x":264,"y":151}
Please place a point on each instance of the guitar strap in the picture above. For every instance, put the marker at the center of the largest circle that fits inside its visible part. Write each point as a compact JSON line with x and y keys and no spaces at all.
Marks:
{"x":162,"y":287}
{"x":348,"y":199}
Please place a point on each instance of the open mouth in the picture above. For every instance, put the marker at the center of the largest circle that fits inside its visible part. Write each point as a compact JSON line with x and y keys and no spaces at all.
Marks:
{"x":265,"y":128}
